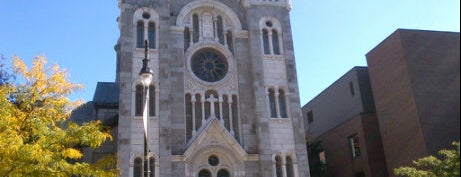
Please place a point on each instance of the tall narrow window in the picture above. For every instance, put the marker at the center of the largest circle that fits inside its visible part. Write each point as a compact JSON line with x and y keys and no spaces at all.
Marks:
{"x":355,"y":146}
{"x":225,"y":112}
{"x":310,"y":117}
{"x":151,"y":35}
{"x":152,"y":167}
{"x":140,"y":34}
{"x":235,"y":120}
{"x":266,"y":41}
{"x":230,"y":43}
{"x":275,"y":42}
{"x":198,"y":110}
{"x":282,"y":104}
{"x":137,"y":168}
{"x":152,"y":101}
{"x":186,"y":38}
{"x":289,"y":166}
{"x":220,"y":30}
{"x":322,"y":157}
{"x":272,"y":103}
{"x":278,"y":166}
{"x":196,"y":32}
{"x":139,"y":100}
{"x":188,"y":116}
{"x":351,"y":88}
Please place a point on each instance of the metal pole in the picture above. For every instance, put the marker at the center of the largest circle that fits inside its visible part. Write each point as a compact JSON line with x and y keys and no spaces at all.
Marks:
{"x":146,"y":79}
{"x":146,"y":140}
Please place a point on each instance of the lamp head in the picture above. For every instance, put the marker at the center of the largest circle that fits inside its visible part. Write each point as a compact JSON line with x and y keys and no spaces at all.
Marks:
{"x":146,"y":73}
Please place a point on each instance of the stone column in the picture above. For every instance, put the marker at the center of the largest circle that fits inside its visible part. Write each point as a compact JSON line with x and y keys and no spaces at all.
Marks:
{"x":276,"y":100}
{"x":202,"y":99}
{"x":225,"y":38}
{"x":221,"y":118}
{"x":231,"y":122}
{"x":271,"y":47}
{"x":274,"y":168}
{"x":268,"y":102}
{"x":215,"y":26}
{"x":287,"y":104}
{"x":284,"y":165}
{"x":157,"y":93}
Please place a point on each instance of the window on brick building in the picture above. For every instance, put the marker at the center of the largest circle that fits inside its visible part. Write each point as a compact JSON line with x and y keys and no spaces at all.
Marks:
{"x":310,"y":117}
{"x":322,"y":157}
{"x":355,"y":145}
{"x":351,"y":88}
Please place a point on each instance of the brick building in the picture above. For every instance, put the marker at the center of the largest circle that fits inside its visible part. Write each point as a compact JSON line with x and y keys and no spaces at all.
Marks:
{"x":415,"y":79}
{"x":343,"y":118}
{"x":413,"y":84}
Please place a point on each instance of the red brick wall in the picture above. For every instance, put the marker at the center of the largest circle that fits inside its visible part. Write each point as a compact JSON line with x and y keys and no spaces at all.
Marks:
{"x":338,"y":152}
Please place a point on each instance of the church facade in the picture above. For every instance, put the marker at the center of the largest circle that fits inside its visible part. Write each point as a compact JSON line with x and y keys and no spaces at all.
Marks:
{"x":224,"y":98}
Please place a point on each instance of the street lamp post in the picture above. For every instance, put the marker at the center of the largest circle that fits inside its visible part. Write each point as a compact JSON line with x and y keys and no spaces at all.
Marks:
{"x":146,"y":78}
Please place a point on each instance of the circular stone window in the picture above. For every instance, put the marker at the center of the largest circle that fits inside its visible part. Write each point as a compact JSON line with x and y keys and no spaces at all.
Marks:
{"x":213,"y":160}
{"x":209,"y":65}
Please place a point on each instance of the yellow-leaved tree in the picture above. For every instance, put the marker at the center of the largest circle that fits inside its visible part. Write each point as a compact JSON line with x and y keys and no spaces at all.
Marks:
{"x":36,"y":138}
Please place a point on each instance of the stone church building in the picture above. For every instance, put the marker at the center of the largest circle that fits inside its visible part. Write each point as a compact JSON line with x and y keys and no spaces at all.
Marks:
{"x":224,"y":98}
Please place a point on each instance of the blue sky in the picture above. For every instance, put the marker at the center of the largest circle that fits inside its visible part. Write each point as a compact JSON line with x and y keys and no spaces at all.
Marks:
{"x":330,"y":36}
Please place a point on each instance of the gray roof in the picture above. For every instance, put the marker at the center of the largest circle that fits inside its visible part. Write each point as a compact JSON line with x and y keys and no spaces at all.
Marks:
{"x":106,"y":94}
{"x":84,"y":113}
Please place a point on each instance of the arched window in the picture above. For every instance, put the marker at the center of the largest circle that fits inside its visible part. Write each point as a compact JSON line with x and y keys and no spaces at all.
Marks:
{"x":266,"y":41}
{"x":235,"y":120}
{"x":223,"y":173}
{"x":275,"y":42}
{"x":230,"y":43}
{"x":151,"y":35}
{"x":220,"y":29}
{"x":195,"y":24}
{"x":278,"y":166}
{"x":204,"y":173}
{"x":271,"y":36}
{"x":137,"y":168}
{"x":186,"y":38}
{"x":198,"y":110}
{"x":139,"y":95}
{"x":140,"y":34}
{"x":152,"y":100}
{"x":139,"y":100}
{"x":289,"y":166}
{"x":188,"y":104}
{"x":152,"y":166}
{"x":272,"y":103}
{"x":282,"y":104}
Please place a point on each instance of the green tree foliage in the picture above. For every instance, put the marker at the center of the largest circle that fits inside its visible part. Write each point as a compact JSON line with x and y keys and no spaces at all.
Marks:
{"x":431,"y":166}
{"x":317,"y":168}
{"x":36,"y":138}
